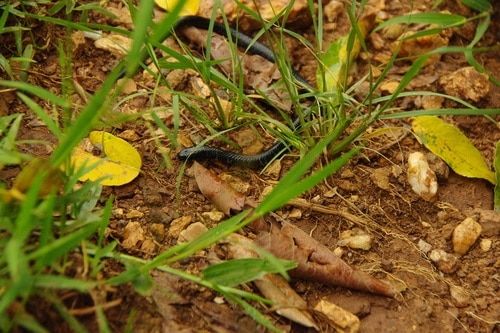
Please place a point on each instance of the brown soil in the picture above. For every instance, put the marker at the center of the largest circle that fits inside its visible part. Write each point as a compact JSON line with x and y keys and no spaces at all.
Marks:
{"x":463,"y":298}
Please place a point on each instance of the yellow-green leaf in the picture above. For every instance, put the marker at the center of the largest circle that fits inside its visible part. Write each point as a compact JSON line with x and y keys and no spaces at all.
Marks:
{"x":189,"y":7}
{"x":339,"y":55}
{"x":453,"y":147}
{"x":120,"y":165}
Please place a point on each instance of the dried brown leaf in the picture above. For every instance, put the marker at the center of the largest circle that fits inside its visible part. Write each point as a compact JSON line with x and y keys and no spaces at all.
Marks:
{"x":289,"y":304}
{"x":222,"y":195}
{"x":316,"y":262}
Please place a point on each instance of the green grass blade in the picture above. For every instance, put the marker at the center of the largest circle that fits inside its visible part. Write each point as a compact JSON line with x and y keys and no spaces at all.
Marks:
{"x":440,"y":19}
{"x":36,"y":91}
{"x":12,"y":123}
{"x":142,"y":20}
{"x":254,"y":313}
{"x":22,"y":286}
{"x":50,"y":253}
{"x":440,"y":112}
{"x":5,"y":64}
{"x":61,"y":282}
{"x":182,"y":251}
{"x":62,"y":22}
{"x":85,"y":121}
{"x":28,"y":54}
{"x":5,"y":15}
{"x":42,"y":114}
{"x":238,"y":271}
{"x":290,"y":187}
{"x":29,"y":323}
{"x":409,"y":75}
{"x":46,"y":222}
{"x":481,"y":29}
{"x":218,"y":232}
{"x":479,"y":5}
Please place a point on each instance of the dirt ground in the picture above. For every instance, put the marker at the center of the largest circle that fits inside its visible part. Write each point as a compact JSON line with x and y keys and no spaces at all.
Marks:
{"x":458,"y":295}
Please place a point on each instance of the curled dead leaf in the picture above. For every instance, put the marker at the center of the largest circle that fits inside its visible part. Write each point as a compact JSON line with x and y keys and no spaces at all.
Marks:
{"x":222,"y":195}
{"x":315,"y":261}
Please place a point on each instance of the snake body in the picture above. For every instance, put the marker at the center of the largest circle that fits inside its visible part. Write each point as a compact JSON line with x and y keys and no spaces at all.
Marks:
{"x":227,"y":157}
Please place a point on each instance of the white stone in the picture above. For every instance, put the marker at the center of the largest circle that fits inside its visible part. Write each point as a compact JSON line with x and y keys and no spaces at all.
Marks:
{"x":445,"y":262}
{"x":459,"y":296}
{"x":192,"y":232}
{"x":485,"y":244}
{"x":465,"y":235}
{"x":424,"y":246}
{"x":355,"y":239}
{"x":421,"y":178}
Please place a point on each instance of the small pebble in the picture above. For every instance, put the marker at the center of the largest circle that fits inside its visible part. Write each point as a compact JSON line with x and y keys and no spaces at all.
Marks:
{"x":219,"y":300}
{"x":355,"y":239}
{"x":466,"y":83}
{"x":132,"y":235}
{"x":380,"y":177}
{"x":421,"y":178}
{"x":445,"y":262}
{"x":213,"y":216}
{"x":459,"y":296}
{"x":273,"y":170}
{"x":345,"y":320}
{"x":432,"y":102}
{"x":192,"y":232}
{"x":129,"y":135}
{"x":149,"y":246}
{"x":339,"y":251}
{"x":424,"y":246}
{"x":485,"y":245}
{"x":157,"y":231}
{"x":134,"y":214}
{"x":425,"y":224}
{"x":393,"y":31}
{"x":465,"y":235}
{"x":178,"y":225}
{"x":295,"y":214}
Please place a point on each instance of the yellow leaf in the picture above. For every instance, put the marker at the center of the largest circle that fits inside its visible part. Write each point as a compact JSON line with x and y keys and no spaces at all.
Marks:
{"x":335,"y":61}
{"x":453,"y":147}
{"x":120,"y":165}
{"x":189,"y":7}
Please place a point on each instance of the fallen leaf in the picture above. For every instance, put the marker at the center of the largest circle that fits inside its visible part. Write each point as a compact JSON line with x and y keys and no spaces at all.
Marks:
{"x":315,"y":261}
{"x":222,"y":195}
{"x":189,"y":7}
{"x":335,"y":62}
{"x":452,"y":146}
{"x":274,"y":287}
{"x":121,"y":164}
